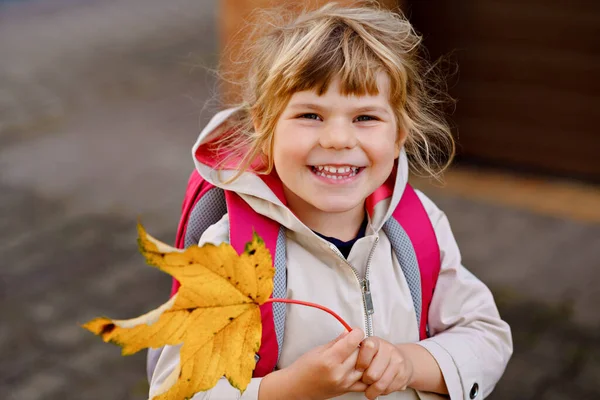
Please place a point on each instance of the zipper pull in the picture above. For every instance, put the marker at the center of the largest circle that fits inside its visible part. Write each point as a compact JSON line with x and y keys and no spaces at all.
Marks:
{"x":366,"y":289}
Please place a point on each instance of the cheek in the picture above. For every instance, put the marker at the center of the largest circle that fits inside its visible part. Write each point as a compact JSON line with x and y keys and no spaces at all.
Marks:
{"x":290,"y":145}
{"x":382,"y":151}
{"x":386,"y":161}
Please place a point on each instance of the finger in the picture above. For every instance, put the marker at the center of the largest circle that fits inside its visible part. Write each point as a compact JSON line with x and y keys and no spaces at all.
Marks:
{"x":358,"y":387}
{"x":343,"y":348}
{"x":352,"y":375}
{"x":368,"y":349}
{"x":378,"y":388}
{"x":337,"y":339}
{"x":399,"y":383}
{"x":349,"y":364}
{"x":378,"y":366}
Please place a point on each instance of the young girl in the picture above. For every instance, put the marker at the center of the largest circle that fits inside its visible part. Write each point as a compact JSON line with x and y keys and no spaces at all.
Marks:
{"x":337,"y":105}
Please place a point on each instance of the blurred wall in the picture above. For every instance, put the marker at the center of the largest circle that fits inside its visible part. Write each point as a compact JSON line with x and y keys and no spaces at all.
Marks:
{"x":528,"y":87}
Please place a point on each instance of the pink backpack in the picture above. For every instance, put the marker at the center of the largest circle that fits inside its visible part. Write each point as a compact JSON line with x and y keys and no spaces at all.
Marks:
{"x":410,"y":232}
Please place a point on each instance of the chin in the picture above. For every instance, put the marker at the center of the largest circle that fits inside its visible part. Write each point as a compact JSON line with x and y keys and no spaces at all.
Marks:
{"x":337,"y":206}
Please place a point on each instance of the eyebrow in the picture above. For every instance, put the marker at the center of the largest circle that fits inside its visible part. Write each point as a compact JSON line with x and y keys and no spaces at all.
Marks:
{"x":371,"y":109}
{"x":312,"y":106}
{"x":309,"y":106}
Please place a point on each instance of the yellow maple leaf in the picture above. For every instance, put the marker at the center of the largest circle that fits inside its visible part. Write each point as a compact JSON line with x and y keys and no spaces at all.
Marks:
{"x":215,"y":315}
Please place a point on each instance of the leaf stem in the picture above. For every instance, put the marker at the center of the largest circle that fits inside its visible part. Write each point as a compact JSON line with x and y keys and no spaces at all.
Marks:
{"x":320,"y":307}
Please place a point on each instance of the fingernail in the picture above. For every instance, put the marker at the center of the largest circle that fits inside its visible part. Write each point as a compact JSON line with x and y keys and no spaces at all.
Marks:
{"x":369,"y":344}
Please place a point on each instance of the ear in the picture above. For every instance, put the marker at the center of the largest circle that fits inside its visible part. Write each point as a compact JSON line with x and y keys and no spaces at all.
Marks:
{"x":399,"y":142}
{"x":264,"y":148}
{"x":255,"y":124}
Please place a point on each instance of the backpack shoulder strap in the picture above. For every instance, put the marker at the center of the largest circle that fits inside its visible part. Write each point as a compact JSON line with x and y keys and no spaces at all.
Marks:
{"x":243,"y":222}
{"x":415,"y":244}
{"x":193,"y":192}
{"x":203,"y":205}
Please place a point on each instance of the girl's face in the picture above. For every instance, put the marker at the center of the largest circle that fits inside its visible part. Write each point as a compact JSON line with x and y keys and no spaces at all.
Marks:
{"x":332,"y":151}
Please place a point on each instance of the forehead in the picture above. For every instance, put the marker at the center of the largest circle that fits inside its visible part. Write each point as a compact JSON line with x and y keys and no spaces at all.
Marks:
{"x":337,"y":94}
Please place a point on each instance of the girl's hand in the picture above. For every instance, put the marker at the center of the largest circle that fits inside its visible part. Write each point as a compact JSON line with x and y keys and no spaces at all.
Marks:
{"x":386,"y":367}
{"x":324,"y":372}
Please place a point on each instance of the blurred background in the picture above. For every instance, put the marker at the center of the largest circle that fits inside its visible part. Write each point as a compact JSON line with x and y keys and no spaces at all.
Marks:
{"x":101,"y":101}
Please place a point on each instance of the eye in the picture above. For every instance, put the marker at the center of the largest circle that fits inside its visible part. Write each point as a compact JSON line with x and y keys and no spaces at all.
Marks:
{"x":362,"y":118}
{"x":310,"y":116}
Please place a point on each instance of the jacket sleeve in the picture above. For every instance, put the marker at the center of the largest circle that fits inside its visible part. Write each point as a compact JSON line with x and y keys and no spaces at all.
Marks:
{"x":469,"y":340}
{"x":168,"y":361}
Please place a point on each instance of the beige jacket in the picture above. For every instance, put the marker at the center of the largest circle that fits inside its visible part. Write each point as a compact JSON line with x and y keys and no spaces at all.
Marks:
{"x":470,"y":342}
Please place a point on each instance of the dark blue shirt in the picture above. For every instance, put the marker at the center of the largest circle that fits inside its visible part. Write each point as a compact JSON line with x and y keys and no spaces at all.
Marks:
{"x":345,"y":247}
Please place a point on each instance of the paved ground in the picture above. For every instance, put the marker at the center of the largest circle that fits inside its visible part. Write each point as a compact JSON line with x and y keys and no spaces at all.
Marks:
{"x":72,"y":189}
{"x":542,"y":271}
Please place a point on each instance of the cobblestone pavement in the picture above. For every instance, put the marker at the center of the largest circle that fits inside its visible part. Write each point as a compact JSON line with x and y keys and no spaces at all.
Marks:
{"x":70,"y":194}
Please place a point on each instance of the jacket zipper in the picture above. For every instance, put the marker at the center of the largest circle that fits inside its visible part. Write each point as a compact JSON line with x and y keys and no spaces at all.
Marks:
{"x":364,"y":284}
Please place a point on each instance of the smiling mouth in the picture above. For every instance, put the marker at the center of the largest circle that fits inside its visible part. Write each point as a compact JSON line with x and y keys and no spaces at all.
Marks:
{"x":336,"y":172}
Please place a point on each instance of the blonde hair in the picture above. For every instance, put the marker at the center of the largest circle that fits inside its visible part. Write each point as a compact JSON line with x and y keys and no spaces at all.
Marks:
{"x":306,"y":52}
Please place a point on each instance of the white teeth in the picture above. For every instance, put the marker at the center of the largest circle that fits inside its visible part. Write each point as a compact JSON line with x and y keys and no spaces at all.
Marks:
{"x":335,"y":177}
{"x":329,"y":171}
{"x":333,"y":169}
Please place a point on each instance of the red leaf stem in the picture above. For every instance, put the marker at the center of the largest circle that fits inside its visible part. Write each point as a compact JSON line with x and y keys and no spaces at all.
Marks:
{"x":320,"y":307}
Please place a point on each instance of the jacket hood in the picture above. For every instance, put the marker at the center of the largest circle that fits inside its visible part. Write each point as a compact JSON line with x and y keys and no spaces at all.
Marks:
{"x":264,"y":193}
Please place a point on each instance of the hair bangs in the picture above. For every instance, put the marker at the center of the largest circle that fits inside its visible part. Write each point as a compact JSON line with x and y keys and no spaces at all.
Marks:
{"x":341,"y":54}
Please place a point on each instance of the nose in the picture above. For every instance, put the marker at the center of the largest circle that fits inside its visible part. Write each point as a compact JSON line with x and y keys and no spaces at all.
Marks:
{"x":337,"y":135}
